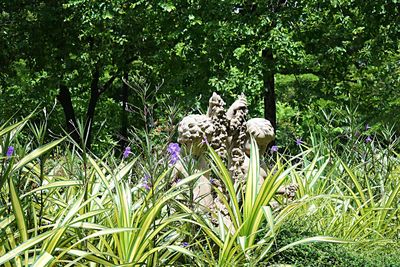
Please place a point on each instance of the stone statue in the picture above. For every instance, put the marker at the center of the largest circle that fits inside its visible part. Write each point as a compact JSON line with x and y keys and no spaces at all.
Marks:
{"x":228,"y":133}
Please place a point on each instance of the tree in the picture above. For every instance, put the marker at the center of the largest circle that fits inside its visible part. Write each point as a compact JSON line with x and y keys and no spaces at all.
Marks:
{"x":80,"y":47}
{"x":77,"y":51}
{"x":235,"y":47}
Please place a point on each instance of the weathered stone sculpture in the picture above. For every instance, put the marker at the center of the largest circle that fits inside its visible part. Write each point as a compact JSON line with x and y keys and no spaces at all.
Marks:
{"x":236,"y":116}
{"x":218,"y":117}
{"x":228,"y":133}
{"x":194,"y":130}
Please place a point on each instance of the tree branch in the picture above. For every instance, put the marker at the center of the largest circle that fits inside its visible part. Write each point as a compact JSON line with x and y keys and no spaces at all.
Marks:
{"x":95,"y":81}
{"x":107,"y":84}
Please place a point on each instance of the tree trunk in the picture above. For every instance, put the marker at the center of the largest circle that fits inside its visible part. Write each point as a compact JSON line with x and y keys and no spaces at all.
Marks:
{"x":94,"y":98}
{"x":124,"y":114}
{"x":64,"y":97}
{"x":269,"y":87}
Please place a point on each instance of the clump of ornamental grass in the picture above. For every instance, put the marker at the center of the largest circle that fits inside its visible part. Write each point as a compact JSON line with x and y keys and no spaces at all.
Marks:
{"x":63,"y":205}
{"x":96,"y":210}
{"x":356,"y":186}
{"x":254,"y":225}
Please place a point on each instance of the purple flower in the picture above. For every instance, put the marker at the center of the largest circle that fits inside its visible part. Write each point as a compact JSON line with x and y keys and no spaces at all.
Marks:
{"x":126,"y":152}
{"x":173,"y":150}
{"x":10,"y":151}
{"x":146,"y":177}
{"x":368,"y":139}
{"x":299,"y":141}
{"x":274,"y":149}
{"x":367,"y":127}
{"x":212,"y":181}
{"x":146,"y":186}
{"x":173,"y":159}
{"x":185,"y":244}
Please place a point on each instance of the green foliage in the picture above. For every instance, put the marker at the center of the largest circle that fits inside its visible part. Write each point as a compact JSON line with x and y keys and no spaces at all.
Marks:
{"x":354,"y":187}
{"x":247,"y":233}
{"x":327,"y":254}
{"x":107,"y":211}
{"x":91,"y":212}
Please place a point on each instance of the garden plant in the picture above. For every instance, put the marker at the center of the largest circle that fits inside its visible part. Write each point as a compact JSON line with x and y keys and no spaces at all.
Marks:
{"x":93,"y":167}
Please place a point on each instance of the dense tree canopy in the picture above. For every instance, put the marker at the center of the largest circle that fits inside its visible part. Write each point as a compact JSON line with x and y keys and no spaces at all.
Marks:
{"x":77,"y":52}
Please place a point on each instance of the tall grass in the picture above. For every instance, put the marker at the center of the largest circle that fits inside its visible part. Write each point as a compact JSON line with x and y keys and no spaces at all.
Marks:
{"x":358,"y":188}
{"x":63,"y":205}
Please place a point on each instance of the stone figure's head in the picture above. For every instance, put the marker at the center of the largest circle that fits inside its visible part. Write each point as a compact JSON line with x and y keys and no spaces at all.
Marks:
{"x":263,"y":132}
{"x":194,"y":131}
{"x":238,"y":107}
{"x":215,"y":106}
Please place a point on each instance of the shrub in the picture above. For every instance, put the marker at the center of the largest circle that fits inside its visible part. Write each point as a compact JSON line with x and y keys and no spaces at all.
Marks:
{"x":329,"y":254}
